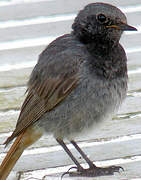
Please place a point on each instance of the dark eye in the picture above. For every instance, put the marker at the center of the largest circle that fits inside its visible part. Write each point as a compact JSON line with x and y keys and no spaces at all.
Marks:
{"x":101,"y":18}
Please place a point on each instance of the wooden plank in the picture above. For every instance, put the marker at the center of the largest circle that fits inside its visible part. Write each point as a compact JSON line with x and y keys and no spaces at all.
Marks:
{"x":132,"y":171}
{"x":129,"y":41}
{"x":15,"y":77}
{"x":103,"y":143}
{"x":125,"y":123}
{"x":22,"y":55}
{"x":30,"y":54}
{"x":134,"y":60}
{"x":35,"y":31}
{"x":8,"y":122}
{"x":17,"y":95}
{"x":133,"y":18}
{"x":20,"y":77}
{"x":134,"y":82}
{"x":54,"y":156}
{"x":49,"y":29}
{"x":45,"y":8}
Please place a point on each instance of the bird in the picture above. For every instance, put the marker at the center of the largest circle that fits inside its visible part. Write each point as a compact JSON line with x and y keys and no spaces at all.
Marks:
{"x":79,"y":81}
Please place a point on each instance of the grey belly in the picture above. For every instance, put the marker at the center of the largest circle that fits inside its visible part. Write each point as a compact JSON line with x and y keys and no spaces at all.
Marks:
{"x":90,"y":103}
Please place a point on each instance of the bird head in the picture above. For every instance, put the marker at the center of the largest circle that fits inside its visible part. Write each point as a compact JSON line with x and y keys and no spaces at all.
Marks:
{"x":100,"y":21}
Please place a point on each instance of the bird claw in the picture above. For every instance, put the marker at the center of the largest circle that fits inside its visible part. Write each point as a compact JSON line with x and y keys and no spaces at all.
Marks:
{"x":68,"y":171}
{"x":93,"y":171}
{"x":116,"y":168}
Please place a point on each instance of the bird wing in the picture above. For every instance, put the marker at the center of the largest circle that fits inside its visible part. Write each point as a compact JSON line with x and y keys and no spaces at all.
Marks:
{"x":48,"y":86}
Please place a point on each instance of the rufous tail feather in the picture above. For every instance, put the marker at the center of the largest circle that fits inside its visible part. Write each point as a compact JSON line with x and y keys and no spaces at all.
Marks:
{"x":24,"y":140}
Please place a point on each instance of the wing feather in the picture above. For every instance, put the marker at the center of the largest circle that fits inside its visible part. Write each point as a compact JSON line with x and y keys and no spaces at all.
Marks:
{"x":52,"y":80}
{"x":43,"y":98}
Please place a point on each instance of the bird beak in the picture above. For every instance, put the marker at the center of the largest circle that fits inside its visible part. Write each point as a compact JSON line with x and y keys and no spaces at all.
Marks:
{"x":123,"y":27}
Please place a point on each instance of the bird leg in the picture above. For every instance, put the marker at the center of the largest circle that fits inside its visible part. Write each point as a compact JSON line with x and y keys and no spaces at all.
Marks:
{"x":90,"y":163}
{"x":96,"y":171}
{"x":93,"y":170}
{"x":79,"y":167}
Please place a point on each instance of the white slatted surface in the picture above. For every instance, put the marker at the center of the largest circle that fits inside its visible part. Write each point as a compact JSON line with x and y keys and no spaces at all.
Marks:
{"x":26,"y":27}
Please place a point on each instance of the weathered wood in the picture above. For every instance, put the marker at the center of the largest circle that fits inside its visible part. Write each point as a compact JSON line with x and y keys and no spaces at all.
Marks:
{"x":132,"y":170}
{"x":7,"y":122}
{"x":30,"y":54}
{"x":134,"y":82}
{"x":16,"y":97}
{"x":17,"y":94}
{"x":45,"y":8}
{"x":19,"y":56}
{"x":129,"y":41}
{"x":16,"y":65}
{"x":134,"y":17}
{"x":134,"y":61}
{"x":35,"y":31}
{"x":49,"y":29}
{"x":123,"y":124}
{"x":18,"y":77}
{"x":97,"y":151}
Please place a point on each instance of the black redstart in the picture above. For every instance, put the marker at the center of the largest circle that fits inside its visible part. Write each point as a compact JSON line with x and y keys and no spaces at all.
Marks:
{"x":80,"y":80}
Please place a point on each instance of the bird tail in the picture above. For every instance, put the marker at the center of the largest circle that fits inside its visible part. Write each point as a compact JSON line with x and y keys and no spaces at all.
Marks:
{"x":24,"y":140}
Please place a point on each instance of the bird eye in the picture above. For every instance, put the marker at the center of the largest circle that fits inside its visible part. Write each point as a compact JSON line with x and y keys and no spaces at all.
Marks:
{"x":101,"y":18}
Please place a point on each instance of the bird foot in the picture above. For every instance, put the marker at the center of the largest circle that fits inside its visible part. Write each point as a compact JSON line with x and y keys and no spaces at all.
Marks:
{"x":94,"y":171}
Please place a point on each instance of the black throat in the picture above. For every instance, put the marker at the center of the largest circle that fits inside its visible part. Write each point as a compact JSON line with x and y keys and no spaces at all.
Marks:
{"x":101,"y":46}
{"x":96,"y":43}
{"x":108,"y":59}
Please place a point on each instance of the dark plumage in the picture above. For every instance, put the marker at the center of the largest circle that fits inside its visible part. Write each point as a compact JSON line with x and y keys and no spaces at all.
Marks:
{"x":80,"y":79}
